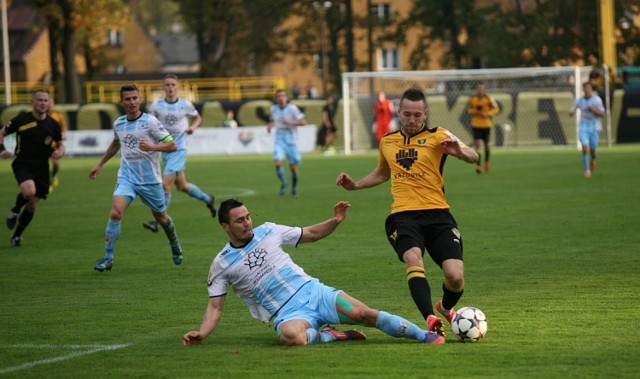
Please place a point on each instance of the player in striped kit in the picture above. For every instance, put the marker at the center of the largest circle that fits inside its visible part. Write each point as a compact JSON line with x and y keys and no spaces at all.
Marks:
{"x":591,"y":110}
{"x":141,"y":137}
{"x":273,"y":287}
{"x":174,"y":113}
{"x":285,"y":119}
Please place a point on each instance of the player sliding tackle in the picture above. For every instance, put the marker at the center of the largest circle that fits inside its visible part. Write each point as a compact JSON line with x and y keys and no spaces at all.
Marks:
{"x":265,"y":277}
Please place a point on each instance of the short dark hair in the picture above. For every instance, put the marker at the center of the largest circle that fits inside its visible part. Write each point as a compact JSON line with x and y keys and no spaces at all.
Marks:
{"x":225,"y":208}
{"x":414,"y":94}
{"x":128,"y":88}
{"x":171,"y":76}
{"x":37,"y":91}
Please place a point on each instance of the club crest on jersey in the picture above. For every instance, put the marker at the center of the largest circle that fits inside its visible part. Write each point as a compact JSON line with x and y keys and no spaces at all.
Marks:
{"x":130,"y":141}
{"x":422,"y":141}
{"x":405,"y":158}
{"x":255,"y":258}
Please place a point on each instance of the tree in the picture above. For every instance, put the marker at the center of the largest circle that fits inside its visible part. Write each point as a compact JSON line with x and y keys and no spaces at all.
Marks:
{"x":235,"y":37}
{"x":542,"y":33}
{"x":57,"y":13}
{"x":78,"y":26}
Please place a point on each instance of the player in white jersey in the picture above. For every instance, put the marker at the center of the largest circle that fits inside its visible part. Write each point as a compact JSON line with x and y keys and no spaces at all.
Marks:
{"x":174,"y":113}
{"x":273,"y":287}
{"x":141,"y":137}
{"x":591,"y":110}
{"x":285,"y":119}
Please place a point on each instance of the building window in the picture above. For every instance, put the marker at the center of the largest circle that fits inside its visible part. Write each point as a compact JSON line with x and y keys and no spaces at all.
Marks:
{"x":388,"y":59}
{"x":114,"y":38}
{"x":381,"y":12}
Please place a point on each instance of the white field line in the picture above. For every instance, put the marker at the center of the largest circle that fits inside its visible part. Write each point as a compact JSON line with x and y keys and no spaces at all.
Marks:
{"x":91,"y":350}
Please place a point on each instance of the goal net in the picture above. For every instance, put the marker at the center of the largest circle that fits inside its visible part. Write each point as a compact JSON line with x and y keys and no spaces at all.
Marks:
{"x":534,"y":103}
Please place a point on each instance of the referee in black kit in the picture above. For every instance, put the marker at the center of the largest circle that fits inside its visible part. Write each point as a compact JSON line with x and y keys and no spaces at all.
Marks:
{"x":38,"y":137}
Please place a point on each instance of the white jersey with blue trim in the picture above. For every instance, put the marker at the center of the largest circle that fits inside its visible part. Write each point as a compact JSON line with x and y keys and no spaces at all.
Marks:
{"x":138,"y":166}
{"x":261,"y":274}
{"x":175,"y":118}
{"x":285,"y":133}
{"x":588,"y":119}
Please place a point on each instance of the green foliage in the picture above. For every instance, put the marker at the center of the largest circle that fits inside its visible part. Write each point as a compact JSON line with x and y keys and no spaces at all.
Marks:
{"x":546,"y":33}
{"x":550,"y":257}
{"x":235,"y":37}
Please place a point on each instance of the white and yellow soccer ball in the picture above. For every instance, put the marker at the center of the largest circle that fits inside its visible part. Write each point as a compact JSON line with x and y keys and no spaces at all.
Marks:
{"x":469,"y":324}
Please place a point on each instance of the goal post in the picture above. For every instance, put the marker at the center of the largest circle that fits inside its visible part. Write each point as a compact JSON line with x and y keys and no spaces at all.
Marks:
{"x":534,"y":103}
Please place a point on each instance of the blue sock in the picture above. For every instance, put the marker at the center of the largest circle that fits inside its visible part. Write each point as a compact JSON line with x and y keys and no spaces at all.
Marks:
{"x":167,"y":199}
{"x":196,"y":192}
{"x":398,"y":327}
{"x":585,"y":162}
{"x":170,"y":231}
{"x":111,"y":236}
{"x":280,"y":173}
{"x":294,"y":180}
{"x":313,"y":337}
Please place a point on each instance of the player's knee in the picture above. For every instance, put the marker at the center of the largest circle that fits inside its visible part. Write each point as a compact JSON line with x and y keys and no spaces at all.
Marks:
{"x":115,"y":215}
{"x":455,"y":282}
{"x":289,"y":338}
{"x":413,"y":257}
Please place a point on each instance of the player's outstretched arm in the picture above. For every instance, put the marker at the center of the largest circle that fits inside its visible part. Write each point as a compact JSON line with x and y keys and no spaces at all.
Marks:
{"x":452,"y":147}
{"x":319,"y":231}
{"x":209,"y":322}
{"x":374,"y":178}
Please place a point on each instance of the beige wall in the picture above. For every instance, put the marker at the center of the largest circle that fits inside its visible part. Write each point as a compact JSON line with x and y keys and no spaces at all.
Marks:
{"x":36,"y":60}
{"x":137,"y":53}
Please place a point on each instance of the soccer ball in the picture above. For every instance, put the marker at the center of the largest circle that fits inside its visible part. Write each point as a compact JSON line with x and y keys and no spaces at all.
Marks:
{"x":469,"y":324}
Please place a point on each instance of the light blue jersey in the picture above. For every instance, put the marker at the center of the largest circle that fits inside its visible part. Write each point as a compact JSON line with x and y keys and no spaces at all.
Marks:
{"x":286,"y":134}
{"x":138,"y":166}
{"x":589,"y":121}
{"x":262,"y":274}
{"x":175,"y":118}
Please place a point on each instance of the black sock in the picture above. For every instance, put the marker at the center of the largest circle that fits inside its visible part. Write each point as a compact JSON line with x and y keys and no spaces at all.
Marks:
{"x":23,"y":222}
{"x":450,"y":298}
{"x":20,"y":202}
{"x":420,"y":290}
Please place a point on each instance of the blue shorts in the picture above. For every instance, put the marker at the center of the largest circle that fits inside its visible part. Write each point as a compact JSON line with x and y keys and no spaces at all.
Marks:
{"x":314,"y":303}
{"x":174,"y":162}
{"x":152,"y":195}
{"x":589,"y":136}
{"x":289,"y":150}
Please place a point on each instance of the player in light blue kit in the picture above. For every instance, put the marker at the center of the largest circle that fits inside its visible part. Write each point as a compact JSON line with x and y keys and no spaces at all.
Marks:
{"x":286,"y":118}
{"x":141,"y":137}
{"x":174,"y":114}
{"x":274,"y":288}
{"x":591,"y":110}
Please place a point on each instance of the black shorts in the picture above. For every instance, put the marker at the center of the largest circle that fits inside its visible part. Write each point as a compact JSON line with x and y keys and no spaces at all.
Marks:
{"x":481,"y":133}
{"x":38,"y":171}
{"x":434,"y":230}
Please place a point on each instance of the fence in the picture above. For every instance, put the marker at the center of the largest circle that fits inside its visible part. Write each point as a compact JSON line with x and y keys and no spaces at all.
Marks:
{"x":195,"y":90}
{"x":21,"y":91}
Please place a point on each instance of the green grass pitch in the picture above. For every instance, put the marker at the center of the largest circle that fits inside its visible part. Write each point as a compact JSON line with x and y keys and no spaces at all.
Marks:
{"x":551,"y":258}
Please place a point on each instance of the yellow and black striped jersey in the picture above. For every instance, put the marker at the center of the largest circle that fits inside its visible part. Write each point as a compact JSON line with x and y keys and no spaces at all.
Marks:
{"x":416,"y":164}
